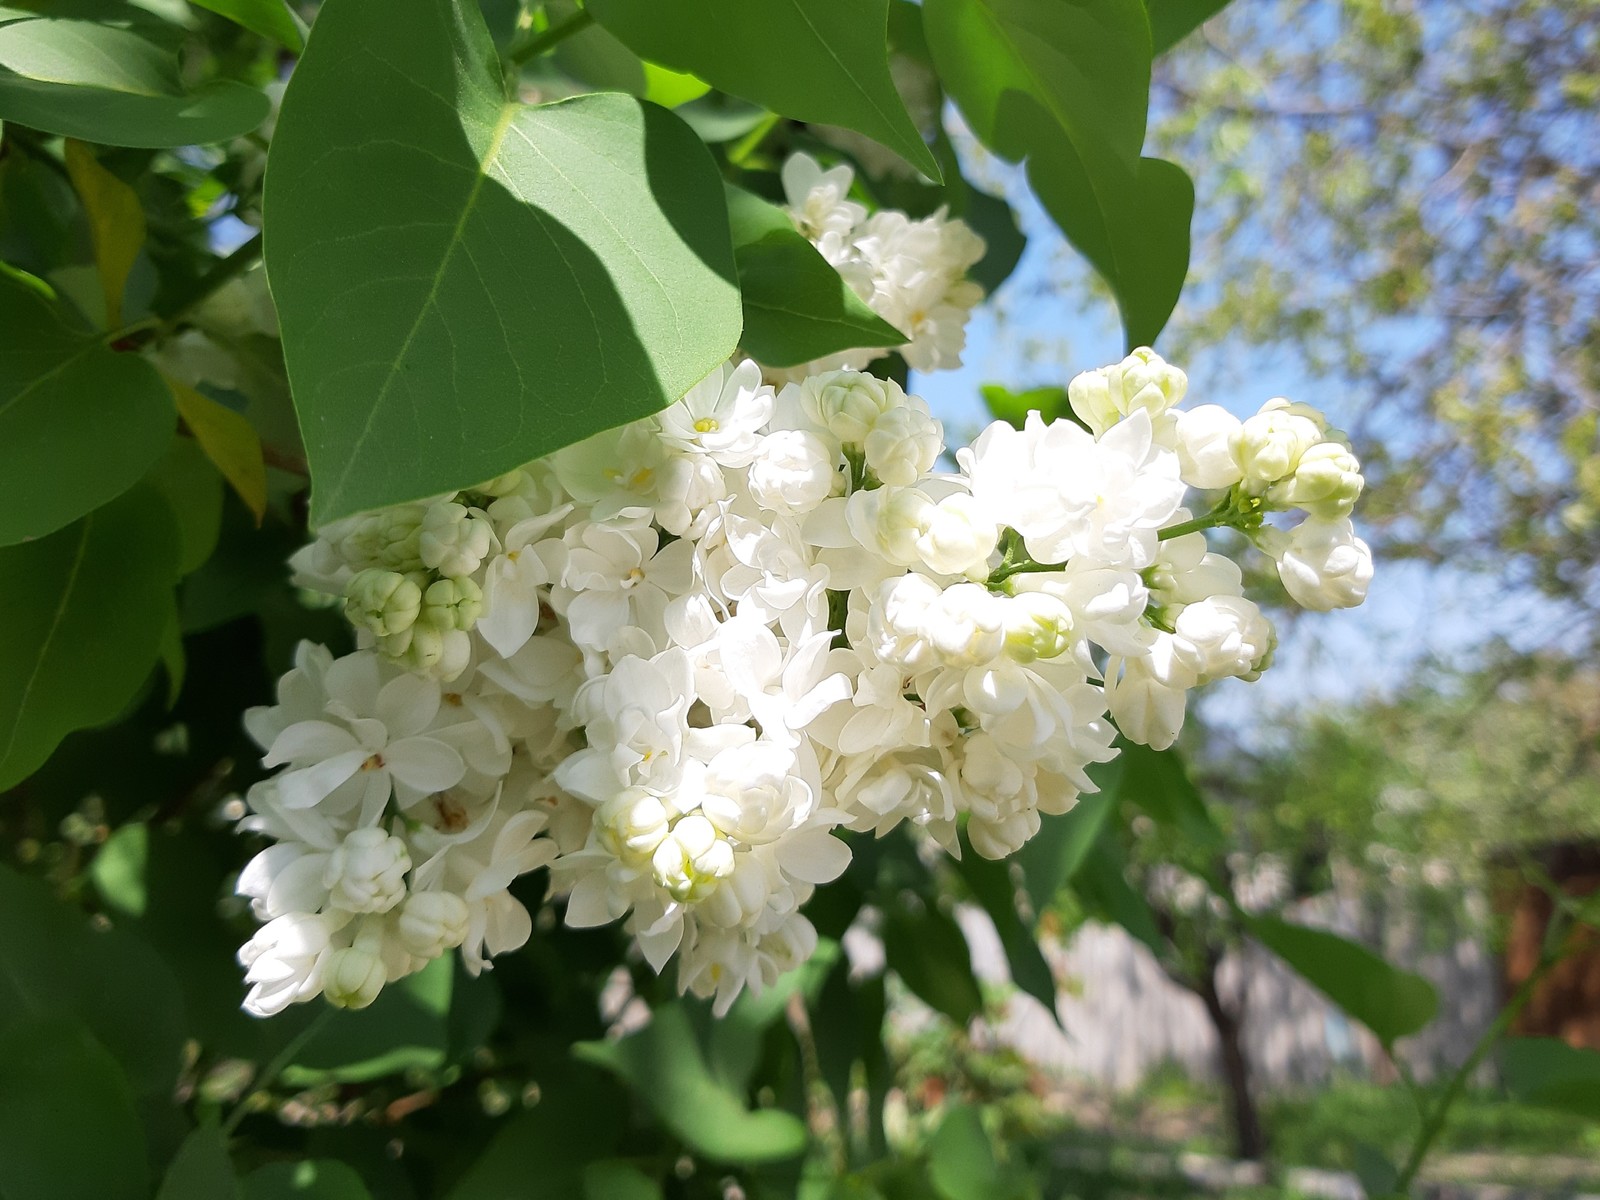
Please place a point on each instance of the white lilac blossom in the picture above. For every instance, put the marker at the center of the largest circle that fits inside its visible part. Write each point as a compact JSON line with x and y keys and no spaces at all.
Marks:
{"x":912,"y":273}
{"x":682,"y":662}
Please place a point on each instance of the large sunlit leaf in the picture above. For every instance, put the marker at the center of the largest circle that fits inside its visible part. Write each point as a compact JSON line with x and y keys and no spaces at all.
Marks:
{"x":79,"y":422}
{"x":86,"y":80}
{"x":84,"y":618}
{"x":813,"y":60}
{"x":1065,"y":87}
{"x":465,"y":283}
{"x":1391,"y":1002}
{"x":663,"y":1065}
{"x":796,"y":306}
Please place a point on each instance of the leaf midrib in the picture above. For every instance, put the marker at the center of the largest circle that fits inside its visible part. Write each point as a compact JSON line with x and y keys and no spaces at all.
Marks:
{"x":49,"y":637}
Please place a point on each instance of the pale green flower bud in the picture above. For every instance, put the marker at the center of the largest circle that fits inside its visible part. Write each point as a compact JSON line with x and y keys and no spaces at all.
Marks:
{"x":1143,"y":380}
{"x":432,"y":922}
{"x":503,"y":485}
{"x":1037,"y":626}
{"x":386,"y":602}
{"x":455,"y":539}
{"x":452,"y":603}
{"x":1326,"y":482}
{"x":692,"y":860}
{"x":426,"y":649}
{"x":353,"y":978}
{"x":848,"y":403}
{"x":632,"y":824}
{"x":387,"y":538}
{"x":1269,"y":445}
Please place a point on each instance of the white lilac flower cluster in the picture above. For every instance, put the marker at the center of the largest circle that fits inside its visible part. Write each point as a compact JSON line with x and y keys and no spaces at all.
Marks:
{"x":676,"y":660}
{"x":912,"y":273}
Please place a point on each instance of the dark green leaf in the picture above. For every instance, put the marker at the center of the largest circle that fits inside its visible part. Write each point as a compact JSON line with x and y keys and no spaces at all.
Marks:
{"x":992,"y":887}
{"x":796,"y":306}
{"x":1390,"y":1002}
{"x":961,"y":1160}
{"x":79,"y":423}
{"x":102,"y":84}
{"x":311,"y":1179}
{"x":68,"y":1128}
{"x":1377,"y":1174}
{"x":1101,"y":882}
{"x":613,"y":1180}
{"x":929,"y":952}
{"x":1552,"y":1074}
{"x":52,"y":964}
{"x":507,"y":280}
{"x":996,"y":222}
{"x":1052,"y":856}
{"x":822,"y":60}
{"x":193,"y":490}
{"x":270,"y":18}
{"x":1158,"y":782}
{"x":200,"y":1170}
{"x":1065,"y":87}
{"x":84,"y":632}
{"x":663,"y":1066}
{"x":605,"y":64}
{"x":1173,"y":20}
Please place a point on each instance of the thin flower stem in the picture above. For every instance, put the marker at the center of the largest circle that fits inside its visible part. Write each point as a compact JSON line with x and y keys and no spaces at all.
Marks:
{"x":1217,"y":516}
{"x":276,"y":1067}
{"x":548,"y":39}
{"x":224,"y":270}
{"x":1433,"y":1125}
{"x":741,"y":151}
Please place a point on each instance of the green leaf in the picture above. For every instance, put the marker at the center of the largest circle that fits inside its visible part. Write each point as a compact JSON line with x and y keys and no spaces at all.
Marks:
{"x":79,"y":423}
{"x":796,"y":306}
{"x":85,"y":80}
{"x":1101,"y":882}
{"x":1051,"y":858}
{"x":818,"y":60}
{"x":612,"y":1180}
{"x":84,"y":618}
{"x":116,"y":223}
{"x":52,"y":964}
{"x":1377,"y":1174}
{"x":68,"y":1127}
{"x":929,"y":952}
{"x":270,"y":18}
{"x":1552,"y":1074}
{"x":406,"y":1028}
{"x":508,"y":280}
{"x":991,"y":886}
{"x":200,"y":1170}
{"x":309,"y":1179}
{"x":663,"y":1066}
{"x":962,"y":1163}
{"x":1158,"y":782}
{"x":605,"y":64}
{"x":118,"y":869}
{"x":1050,"y":402}
{"x":229,"y":441}
{"x":1387,"y":1000}
{"x":1066,"y":88}
{"x":193,"y":491}
{"x":1173,"y":20}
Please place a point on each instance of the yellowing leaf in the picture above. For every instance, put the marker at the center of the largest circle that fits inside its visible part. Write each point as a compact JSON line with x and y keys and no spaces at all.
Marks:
{"x":116,"y":223}
{"x":229,"y":441}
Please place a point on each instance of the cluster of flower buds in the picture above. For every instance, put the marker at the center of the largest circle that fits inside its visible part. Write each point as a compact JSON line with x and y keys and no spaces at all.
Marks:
{"x":681,"y":662}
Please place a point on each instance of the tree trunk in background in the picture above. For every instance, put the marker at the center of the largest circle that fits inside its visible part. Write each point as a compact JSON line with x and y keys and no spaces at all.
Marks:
{"x":1250,"y":1139}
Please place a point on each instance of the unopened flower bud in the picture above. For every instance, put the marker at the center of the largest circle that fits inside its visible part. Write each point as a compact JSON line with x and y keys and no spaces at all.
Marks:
{"x":454,"y":539}
{"x":632,"y":824}
{"x":432,"y":922}
{"x":692,"y":859}
{"x":425,"y":649}
{"x":793,"y":471}
{"x":1205,"y":457}
{"x":848,"y":403}
{"x":1038,"y":625}
{"x":966,"y":625}
{"x":1224,"y":636}
{"x":367,"y":872}
{"x":1323,"y":564}
{"x":903,"y":444}
{"x":957,"y":539}
{"x":1326,"y":482}
{"x":386,"y":602}
{"x":384,"y":539}
{"x":1143,"y":380}
{"x":889,"y":520}
{"x":452,"y":603}
{"x":1269,"y":444}
{"x":353,"y":978}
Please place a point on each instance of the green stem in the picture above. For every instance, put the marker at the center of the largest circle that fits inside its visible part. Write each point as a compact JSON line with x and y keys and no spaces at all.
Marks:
{"x":548,"y":39}
{"x":1028,"y":567}
{"x":276,"y":1067}
{"x":1217,"y":516}
{"x":1433,"y":1125}
{"x":222,"y":272}
{"x":751,"y":142}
